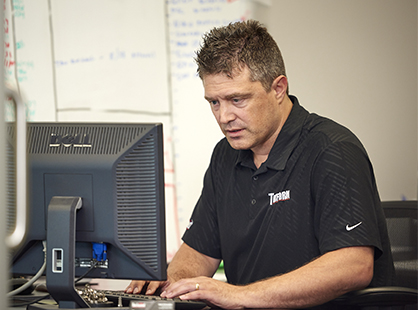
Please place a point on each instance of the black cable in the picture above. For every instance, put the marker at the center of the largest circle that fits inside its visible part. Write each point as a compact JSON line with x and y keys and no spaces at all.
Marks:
{"x":87,"y":272}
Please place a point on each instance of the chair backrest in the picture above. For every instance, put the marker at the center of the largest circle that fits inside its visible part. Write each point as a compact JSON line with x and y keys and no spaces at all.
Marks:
{"x":401,"y":219}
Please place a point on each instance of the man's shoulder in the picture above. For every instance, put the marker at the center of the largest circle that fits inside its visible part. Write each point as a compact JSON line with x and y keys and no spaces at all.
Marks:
{"x":321,"y":128}
{"x":329,"y":131}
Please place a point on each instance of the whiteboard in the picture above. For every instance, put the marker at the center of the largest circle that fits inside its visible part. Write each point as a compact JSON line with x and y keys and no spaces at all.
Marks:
{"x":28,"y":57}
{"x":123,"y":61}
{"x":110,"y":55}
{"x":93,"y":61}
{"x":195,"y":131}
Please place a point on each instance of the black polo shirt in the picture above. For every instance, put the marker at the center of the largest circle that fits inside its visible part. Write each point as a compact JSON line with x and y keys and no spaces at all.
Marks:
{"x":315,"y":193}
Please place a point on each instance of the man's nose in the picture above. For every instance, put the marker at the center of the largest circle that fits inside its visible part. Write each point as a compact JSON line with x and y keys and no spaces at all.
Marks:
{"x":226,"y":113}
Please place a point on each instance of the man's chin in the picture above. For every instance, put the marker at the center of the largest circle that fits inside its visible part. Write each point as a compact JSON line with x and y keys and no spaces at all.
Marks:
{"x":237,"y":144}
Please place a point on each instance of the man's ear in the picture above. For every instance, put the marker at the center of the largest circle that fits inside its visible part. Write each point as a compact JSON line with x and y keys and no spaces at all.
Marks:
{"x":279,"y":86}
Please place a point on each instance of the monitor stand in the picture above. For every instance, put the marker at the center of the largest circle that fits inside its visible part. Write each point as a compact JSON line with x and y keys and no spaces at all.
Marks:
{"x":60,"y":274}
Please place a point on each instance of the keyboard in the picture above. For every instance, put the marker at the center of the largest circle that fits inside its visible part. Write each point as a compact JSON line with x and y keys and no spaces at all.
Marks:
{"x":120,"y":296}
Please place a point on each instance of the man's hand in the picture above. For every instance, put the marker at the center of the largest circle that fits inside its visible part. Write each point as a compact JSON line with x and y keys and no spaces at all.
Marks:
{"x":323,"y":279}
{"x":146,"y":287}
{"x":213,"y":292}
{"x":187,"y":263}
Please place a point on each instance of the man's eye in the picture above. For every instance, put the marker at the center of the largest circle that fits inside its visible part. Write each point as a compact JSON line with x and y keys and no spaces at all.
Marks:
{"x":213,"y":102}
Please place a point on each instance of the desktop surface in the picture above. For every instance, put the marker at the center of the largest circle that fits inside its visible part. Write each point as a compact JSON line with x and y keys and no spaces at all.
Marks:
{"x":103,"y":293}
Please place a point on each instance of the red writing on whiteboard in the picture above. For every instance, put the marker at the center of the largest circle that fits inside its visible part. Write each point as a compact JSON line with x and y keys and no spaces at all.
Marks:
{"x":6,"y":25}
{"x":8,"y":58}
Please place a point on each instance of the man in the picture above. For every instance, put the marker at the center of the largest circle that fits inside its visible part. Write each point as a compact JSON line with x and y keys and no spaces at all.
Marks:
{"x":289,"y":200}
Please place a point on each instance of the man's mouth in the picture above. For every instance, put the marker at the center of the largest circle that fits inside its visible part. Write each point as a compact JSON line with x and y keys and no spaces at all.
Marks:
{"x":233,"y":133}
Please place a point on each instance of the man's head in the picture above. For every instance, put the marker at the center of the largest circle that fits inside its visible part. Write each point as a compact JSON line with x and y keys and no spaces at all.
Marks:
{"x":245,"y":84}
{"x":229,"y":49}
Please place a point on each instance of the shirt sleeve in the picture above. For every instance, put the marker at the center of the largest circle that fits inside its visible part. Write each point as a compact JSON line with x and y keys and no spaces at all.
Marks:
{"x":347,"y":203}
{"x":202,"y":233}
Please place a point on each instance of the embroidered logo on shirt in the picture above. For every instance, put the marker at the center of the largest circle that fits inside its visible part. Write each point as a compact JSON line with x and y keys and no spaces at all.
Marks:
{"x":281,"y":196}
{"x":348,"y":228}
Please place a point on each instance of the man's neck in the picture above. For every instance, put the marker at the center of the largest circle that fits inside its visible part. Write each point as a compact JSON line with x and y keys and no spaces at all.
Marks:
{"x":261,"y":155}
{"x":259,"y":159}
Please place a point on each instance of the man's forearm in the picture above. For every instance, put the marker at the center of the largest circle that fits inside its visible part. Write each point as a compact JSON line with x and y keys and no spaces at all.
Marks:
{"x":188,"y":263}
{"x":321,"y":280}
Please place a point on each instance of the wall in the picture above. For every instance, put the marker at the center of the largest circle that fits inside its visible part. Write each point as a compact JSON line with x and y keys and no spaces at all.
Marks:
{"x":356,"y":62}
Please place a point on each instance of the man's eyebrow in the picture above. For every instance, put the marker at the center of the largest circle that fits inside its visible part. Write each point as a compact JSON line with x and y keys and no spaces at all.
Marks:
{"x":237,"y":95}
{"x":232,"y":96}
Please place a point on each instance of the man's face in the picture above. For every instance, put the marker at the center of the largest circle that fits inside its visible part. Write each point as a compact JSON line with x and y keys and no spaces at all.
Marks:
{"x":248,"y":116}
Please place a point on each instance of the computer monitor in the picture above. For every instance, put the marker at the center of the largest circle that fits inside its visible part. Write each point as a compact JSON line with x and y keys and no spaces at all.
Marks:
{"x":96,"y":195}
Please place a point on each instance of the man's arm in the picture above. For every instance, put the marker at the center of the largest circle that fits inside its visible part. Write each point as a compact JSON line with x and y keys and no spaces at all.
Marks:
{"x":329,"y":276}
{"x":187,"y":263}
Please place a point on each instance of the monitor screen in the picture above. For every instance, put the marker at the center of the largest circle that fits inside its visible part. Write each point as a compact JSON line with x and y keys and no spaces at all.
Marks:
{"x":115,"y":175}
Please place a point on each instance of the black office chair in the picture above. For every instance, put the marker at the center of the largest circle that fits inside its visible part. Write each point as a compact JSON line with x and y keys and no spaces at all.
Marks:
{"x":401,"y":219}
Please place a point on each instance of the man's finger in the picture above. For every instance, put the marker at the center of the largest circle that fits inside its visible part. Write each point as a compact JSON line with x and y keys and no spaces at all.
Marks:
{"x":135,"y":287}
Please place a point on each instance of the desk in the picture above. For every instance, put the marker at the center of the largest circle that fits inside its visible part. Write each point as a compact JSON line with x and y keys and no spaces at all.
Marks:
{"x":102,"y":284}
{"x":110,"y":284}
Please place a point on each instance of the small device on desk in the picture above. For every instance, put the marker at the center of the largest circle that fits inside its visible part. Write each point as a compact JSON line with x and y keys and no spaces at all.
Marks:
{"x":96,"y":196}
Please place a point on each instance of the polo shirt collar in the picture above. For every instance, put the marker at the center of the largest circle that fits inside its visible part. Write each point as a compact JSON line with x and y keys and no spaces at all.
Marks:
{"x":284,"y":144}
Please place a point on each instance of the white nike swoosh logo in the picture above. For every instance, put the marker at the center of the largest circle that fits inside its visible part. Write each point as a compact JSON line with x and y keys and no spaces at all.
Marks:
{"x":348,"y":228}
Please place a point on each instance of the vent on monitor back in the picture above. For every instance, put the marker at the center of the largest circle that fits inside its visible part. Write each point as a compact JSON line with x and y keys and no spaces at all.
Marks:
{"x":80,"y":139}
{"x":137,"y":201}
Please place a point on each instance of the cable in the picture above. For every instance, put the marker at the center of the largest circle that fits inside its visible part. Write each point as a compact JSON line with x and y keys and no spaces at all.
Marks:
{"x":87,"y":272}
{"x":37,"y":276}
{"x":34,"y":278}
